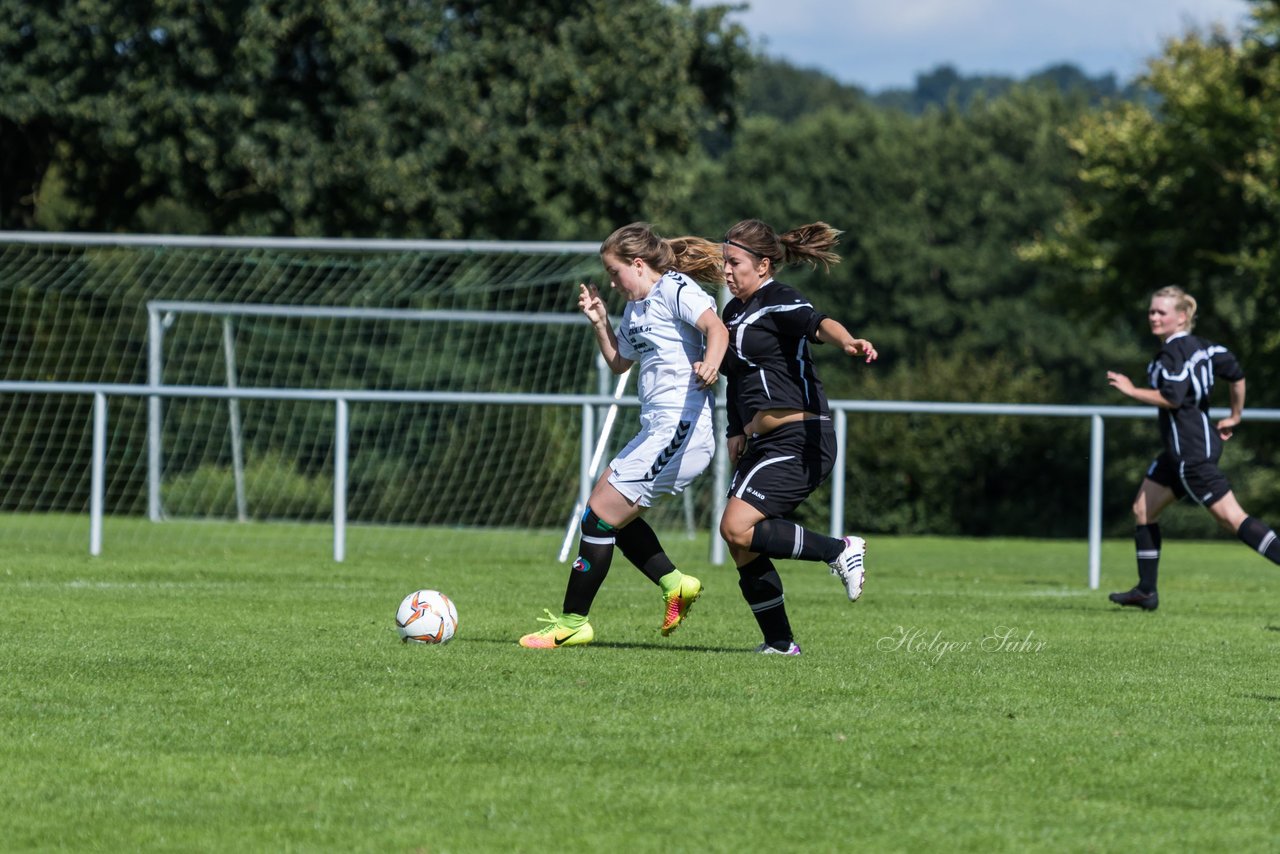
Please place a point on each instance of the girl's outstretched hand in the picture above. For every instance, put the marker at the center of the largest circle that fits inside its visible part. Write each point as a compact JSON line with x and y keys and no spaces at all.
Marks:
{"x":861,"y":347}
{"x":590,"y":304}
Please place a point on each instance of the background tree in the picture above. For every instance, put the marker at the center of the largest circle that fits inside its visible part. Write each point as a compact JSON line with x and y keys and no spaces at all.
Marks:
{"x":774,"y":87}
{"x":945,"y":86}
{"x":934,"y":208}
{"x":357,"y":117}
{"x":499,"y":119}
{"x":1188,"y":192}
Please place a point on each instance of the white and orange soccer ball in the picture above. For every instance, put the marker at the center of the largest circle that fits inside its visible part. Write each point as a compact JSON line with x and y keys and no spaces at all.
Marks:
{"x":426,"y":616}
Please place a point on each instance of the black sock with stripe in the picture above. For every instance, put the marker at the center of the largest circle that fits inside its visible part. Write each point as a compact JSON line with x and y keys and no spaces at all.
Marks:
{"x":1147,"y":540}
{"x":762,"y":588}
{"x":782,"y":539}
{"x":595,"y":553}
{"x":1257,"y":536}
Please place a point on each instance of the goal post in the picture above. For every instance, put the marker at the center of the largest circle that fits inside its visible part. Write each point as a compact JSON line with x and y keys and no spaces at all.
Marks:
{"x":471,"y":318}
{"x":164,"y":315}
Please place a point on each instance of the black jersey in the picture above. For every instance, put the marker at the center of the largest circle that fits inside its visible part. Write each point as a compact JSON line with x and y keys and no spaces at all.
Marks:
{"x":1183,"y":372}
{"x":768,"y":365}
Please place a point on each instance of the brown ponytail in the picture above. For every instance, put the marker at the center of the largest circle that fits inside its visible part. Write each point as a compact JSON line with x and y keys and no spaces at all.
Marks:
{"x":697,"y":257}
{"x":811,"y":244}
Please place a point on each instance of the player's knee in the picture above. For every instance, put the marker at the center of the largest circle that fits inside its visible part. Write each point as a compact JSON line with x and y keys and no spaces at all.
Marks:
{"x":1140,"y":512}
{"x":1229,"y":519}
{"x":735,"y":534}
{"x":594,"y":526}
{"x":1141,"y":508}
{"x":1228,"y":513}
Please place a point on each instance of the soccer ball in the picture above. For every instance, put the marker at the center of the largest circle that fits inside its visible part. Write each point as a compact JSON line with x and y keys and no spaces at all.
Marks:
{"x":426,"y":616}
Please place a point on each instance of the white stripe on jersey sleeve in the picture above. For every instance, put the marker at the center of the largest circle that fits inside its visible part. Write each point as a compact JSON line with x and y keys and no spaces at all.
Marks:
{"x":756,"y":315}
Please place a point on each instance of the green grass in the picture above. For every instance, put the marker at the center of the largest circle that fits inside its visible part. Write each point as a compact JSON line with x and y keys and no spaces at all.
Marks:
{"x":256,"y":698}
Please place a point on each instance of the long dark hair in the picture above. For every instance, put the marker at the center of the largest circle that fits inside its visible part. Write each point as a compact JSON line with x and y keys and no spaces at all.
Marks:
{"x":811,"y":244}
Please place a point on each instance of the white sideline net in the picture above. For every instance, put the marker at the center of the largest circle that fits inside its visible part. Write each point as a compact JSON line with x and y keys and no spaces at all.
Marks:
{"x":76,"y":312}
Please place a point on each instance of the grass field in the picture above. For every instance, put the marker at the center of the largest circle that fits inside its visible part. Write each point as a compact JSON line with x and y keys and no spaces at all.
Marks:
{"x":978,"y":698}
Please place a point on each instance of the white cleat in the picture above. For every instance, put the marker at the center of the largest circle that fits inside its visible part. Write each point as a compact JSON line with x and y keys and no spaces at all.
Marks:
{"x":848,"y":566}
{"x":793,"y":648}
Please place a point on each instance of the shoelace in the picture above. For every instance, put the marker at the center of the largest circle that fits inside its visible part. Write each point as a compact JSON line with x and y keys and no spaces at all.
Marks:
{"x":550,"y":618}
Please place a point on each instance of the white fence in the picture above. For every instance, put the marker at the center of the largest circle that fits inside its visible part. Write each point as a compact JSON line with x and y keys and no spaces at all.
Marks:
{"x":344,"y":399}
{"x":155,"y":390}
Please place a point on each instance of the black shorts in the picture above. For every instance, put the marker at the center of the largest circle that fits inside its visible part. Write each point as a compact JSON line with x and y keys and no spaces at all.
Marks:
{"x":1203,"y":482}
{"x":779,"y":470}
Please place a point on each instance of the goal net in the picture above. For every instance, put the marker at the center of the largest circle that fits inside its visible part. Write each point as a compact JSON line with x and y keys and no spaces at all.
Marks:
{"x":383,"y":316}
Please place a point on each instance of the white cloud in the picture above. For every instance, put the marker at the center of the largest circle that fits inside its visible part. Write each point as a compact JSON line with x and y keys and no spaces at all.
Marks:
{"x":916,"y":17}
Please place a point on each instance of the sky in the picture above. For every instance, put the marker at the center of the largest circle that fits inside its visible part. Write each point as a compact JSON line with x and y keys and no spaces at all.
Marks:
{"x":880,"y":44}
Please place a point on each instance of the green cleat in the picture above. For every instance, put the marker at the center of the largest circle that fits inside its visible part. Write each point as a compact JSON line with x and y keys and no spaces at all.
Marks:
{"x":678,"y":603}
{"x":557,"y":634}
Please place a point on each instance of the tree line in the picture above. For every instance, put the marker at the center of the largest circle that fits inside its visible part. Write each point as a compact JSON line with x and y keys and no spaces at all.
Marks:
{"x":1000,"y":236}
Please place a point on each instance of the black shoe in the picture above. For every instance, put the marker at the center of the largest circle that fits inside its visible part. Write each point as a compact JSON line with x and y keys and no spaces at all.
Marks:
{"x":1136,"y":598}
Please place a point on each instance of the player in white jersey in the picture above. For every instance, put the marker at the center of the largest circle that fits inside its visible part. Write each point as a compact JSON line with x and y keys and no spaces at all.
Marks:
{"x":671,"y":330}
{"x":676,"y":442}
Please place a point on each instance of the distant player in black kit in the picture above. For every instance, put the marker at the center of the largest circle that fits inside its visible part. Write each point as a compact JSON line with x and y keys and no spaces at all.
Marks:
{"x":1180,"y":378}
{"x":780,"y":434}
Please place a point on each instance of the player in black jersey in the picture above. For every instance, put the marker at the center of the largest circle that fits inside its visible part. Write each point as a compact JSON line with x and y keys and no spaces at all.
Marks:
{"x":1181,"y":377}
{"x":780,"y":435}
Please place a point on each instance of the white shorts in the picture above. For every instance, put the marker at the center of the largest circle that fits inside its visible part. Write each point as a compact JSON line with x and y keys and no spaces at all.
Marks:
{"x":671,"y":449}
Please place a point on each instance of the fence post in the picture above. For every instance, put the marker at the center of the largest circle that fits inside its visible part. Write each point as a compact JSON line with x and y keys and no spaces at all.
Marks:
{"x":98,"y":472}
{"x":155,"y":372}
{"x":233,"y":414}
{"x":720,"y":476}
{"x":340,"y":483}
{"x":1095,"y":501}
{"x":837,"y":478}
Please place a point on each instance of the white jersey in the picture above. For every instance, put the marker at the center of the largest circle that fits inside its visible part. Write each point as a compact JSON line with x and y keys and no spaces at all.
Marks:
{"x":659,"y":333}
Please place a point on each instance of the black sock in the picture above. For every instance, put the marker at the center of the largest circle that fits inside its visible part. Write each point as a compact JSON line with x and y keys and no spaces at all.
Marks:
{"x":595,"y":553}
{"x":762,"y":588}
{"x":783,"y":539}
{"x":1147,"y":540}
{"x":639,"y":544}
{"x":1256,"y":535}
